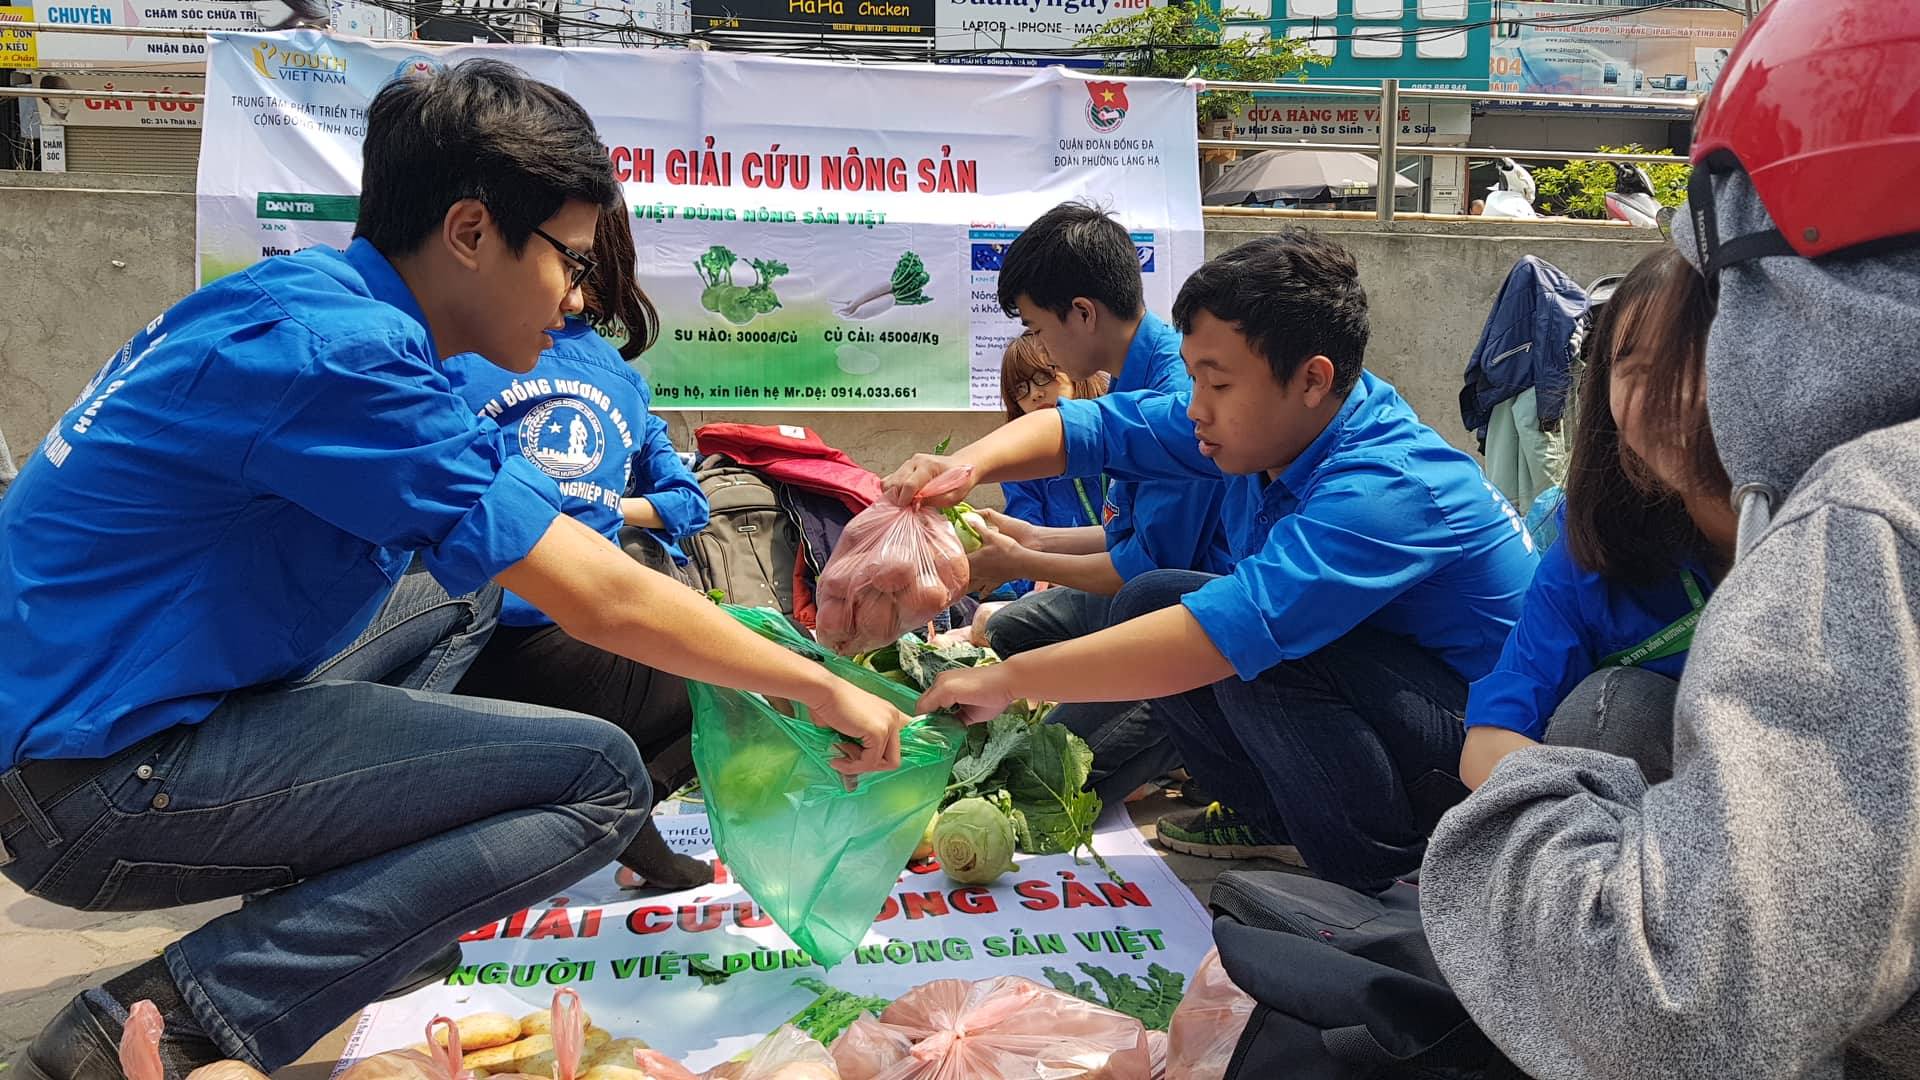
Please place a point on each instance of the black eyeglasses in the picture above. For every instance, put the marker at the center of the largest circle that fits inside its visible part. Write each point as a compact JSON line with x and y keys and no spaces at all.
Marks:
{"x":1040,"y":383}
{"x":582,"y":265}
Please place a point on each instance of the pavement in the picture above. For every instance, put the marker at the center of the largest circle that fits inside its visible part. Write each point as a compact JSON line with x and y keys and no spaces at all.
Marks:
{"x":51,"y":953}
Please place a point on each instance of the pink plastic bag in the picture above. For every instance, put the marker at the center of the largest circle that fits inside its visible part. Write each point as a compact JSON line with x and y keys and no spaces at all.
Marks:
{"x":1007,"y":1028}
{"x":140,"y":1043}
{"x":895,"y":568}
{"x":1207,"y":1024}
{"x":787,"y":1054}
{"x":140,"y":1051}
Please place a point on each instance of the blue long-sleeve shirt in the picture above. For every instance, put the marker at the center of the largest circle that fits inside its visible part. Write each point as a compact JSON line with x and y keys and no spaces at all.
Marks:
{"x":232,"y":498}
{"x":1378,"y":523}
{"x":1061,"y":502}
{"x":581,"y":416}
{"x":1154,"y":524}
{"x":1573,"y":619}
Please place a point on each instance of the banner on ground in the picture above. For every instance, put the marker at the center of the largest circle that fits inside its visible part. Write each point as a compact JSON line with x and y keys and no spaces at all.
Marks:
{"x":815,"y":235}
{"x":703,"y":974}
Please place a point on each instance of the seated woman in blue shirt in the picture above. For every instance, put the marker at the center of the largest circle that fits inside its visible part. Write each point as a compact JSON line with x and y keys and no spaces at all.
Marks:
{"x":1030,"y":380}
{"x":581,"y":416}
{"x":1648,"y":530}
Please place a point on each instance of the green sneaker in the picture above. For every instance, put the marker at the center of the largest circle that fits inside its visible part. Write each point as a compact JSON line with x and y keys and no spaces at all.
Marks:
{"x":1215,"y":832}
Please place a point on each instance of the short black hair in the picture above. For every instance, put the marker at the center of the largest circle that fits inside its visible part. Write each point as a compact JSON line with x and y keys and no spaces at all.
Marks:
{"x":1293,"y":295}
{"x":482,"y":130}
{"x":1073,"y":250}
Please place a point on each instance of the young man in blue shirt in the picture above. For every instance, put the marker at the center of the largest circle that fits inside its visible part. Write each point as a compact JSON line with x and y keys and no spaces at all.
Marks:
{"x":1073,"y":279}
{"x":229,"y":503}
{"x":1318,"y":688}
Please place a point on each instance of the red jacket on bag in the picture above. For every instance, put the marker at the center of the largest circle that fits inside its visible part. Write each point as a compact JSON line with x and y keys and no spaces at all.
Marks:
{"x":792,"y":455}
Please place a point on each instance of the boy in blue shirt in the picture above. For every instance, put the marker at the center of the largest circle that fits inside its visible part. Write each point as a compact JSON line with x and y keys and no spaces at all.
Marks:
{"x":229,"y":503}
{"x":1318,"y":688}
{"x":1073,"y":279}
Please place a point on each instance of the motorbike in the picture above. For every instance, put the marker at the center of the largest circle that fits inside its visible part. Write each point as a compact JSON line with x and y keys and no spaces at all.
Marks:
{"x":1632,"y":199}
{"x":1513,"y":196}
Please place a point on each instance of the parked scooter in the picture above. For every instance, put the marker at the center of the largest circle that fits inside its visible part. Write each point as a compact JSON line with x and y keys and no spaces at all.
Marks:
{"x":1513,"y":196}
{"x":1632,"y":199}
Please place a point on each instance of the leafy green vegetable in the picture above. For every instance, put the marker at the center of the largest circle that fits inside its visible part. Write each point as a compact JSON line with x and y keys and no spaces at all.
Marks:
{"x":909,"y":277}
{"x":718,"y":596}
{"x":1151,"y":1003}
{"x":833,"y":1011}
{"x":943,"y":445}
{"x":973,"y":839}
{"x":1048,"y":786}
{"x":967,"y":525}
{"x":988,"y":745}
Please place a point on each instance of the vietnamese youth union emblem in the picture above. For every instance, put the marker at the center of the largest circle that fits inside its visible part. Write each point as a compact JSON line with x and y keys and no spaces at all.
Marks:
{"x":1106,"y":105}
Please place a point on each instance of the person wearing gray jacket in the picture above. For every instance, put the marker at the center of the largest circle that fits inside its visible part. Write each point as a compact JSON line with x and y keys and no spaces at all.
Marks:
{"x":1758,"y":914}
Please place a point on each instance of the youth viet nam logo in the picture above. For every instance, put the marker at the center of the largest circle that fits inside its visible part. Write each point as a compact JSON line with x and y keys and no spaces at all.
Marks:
{"x":1106,"y":105}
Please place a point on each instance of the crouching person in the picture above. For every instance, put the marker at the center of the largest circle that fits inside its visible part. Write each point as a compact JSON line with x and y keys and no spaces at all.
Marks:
{"x":229,"y":504}
{"x":1319,"y":687}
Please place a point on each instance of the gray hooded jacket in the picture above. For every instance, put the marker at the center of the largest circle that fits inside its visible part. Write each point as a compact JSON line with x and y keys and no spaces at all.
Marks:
{"x":1759,"y":914}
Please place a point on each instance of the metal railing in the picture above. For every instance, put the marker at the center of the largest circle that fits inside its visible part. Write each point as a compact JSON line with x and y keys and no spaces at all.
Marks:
{"x":1389,"y":94}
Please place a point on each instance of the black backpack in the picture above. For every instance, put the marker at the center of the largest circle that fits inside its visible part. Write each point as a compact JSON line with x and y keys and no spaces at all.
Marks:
{"x":750,"y":544}
{"x":1344,"y":984}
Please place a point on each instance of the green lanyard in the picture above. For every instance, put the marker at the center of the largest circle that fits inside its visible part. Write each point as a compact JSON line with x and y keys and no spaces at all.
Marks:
{"x":1676,"y":638}
{"x":1093,"y":516}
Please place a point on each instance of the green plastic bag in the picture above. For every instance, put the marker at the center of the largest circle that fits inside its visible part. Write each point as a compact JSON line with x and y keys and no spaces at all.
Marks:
{"x":819,"y":860}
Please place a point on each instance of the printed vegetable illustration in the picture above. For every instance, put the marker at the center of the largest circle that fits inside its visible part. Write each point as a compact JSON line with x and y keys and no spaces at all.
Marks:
{"x":973,"y":839}
{"x":833,"y":1010}
{"x":902,"y":289}
{"x":738,"y":304}
{"x":1152,"y":1003}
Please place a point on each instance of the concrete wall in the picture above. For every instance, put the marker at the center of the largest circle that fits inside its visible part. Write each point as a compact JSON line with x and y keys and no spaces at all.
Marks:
{"x":1429,"y":287}
{"x":86,"y":260}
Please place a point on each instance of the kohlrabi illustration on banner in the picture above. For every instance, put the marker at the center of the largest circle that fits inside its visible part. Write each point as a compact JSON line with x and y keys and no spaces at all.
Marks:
{"x":814,"y":235}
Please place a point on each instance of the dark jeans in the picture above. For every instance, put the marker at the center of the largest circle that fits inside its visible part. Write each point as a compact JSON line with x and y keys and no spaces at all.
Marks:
{"x":544,"y":665}
{"x":385,"y":818}
{"x":1128,"y":738}
{"x":1352,"y":751}
{"x":1623,"y":711}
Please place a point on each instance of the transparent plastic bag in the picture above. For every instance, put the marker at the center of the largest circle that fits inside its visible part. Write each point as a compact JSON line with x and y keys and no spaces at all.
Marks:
{"x":819,"y":859}
{"x":1207,"y":1024}
{"x":787,"y":1054}
{"x":1006,"y":1028}
{"x":894,"y":569}
{"x":438,"y":1060}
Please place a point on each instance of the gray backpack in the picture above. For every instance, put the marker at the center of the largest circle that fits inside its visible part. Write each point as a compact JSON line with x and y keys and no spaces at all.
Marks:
{"x":749,"y":547}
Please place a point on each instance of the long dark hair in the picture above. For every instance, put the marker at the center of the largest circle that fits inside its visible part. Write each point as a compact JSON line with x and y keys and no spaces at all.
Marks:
{"x":616,"y":305}
{"x":1622,"y":522}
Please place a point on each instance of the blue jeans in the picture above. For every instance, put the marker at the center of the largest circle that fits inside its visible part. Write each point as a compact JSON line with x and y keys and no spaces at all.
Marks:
{"x":1351,"y":752}
{"x":1128,"y":738}
{"x":385,"y":819}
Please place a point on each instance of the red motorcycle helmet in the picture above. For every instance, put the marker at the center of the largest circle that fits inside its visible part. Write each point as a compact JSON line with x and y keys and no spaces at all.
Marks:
{"x":1820,"y":106}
